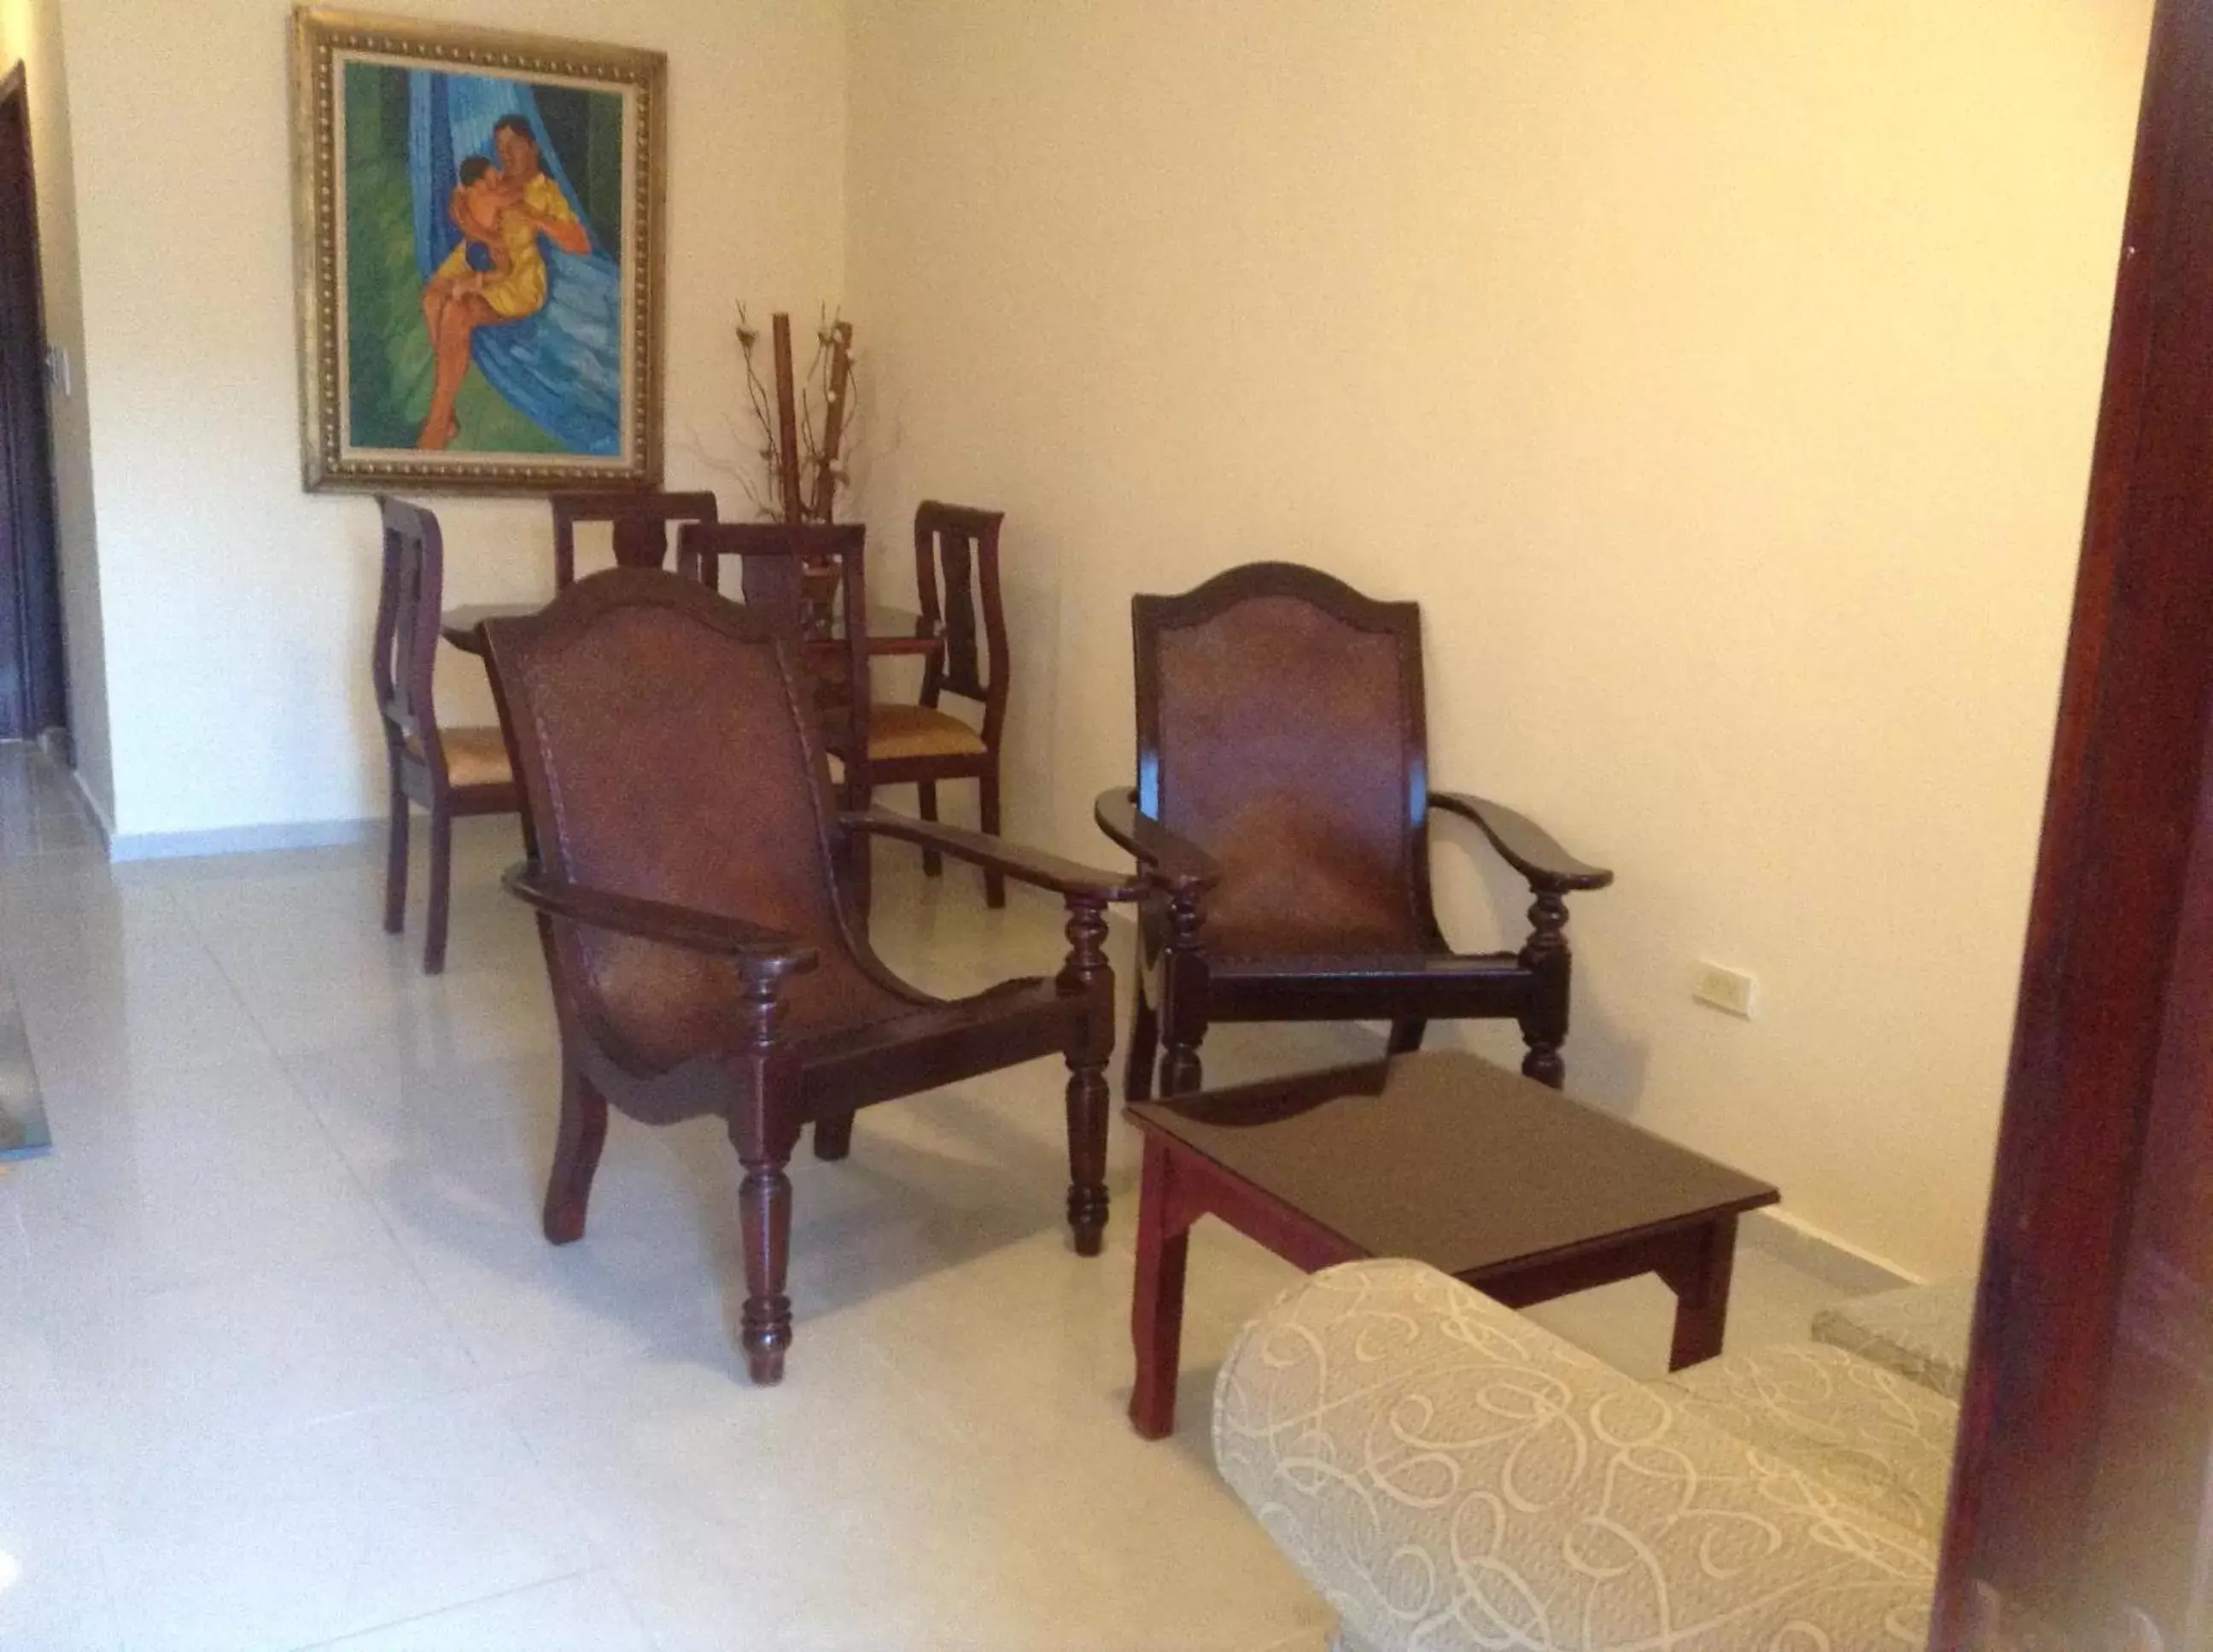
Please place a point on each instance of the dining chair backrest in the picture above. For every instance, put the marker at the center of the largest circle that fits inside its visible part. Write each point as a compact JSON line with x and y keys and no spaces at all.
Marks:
{"x":810,"y":579}
{"x":640,"y":523}
{"x":405,"y":649}
{"x":956,"y":579}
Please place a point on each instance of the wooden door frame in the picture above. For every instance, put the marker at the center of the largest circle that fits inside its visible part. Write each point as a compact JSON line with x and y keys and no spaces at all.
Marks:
{"x":38,"y":589}
{"x":2108,"y":999}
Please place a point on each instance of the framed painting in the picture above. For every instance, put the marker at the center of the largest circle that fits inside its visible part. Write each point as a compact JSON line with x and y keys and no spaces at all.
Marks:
{"x":479,"y":232}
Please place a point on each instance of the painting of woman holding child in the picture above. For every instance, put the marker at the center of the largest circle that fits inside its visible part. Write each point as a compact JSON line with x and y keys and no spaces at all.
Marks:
{"x":495,"y":245}
{"x":496,"y":275}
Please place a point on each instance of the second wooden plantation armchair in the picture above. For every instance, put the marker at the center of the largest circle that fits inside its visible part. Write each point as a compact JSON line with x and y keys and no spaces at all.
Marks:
{"x":676,"y":808}
{"x":1283,"y":758}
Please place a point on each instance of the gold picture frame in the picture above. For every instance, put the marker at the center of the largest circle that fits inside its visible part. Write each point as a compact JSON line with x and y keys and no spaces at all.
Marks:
{"x":479,"y":238}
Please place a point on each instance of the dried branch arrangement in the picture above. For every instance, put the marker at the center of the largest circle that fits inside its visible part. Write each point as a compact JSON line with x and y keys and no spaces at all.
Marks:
{"x":807,"y":426}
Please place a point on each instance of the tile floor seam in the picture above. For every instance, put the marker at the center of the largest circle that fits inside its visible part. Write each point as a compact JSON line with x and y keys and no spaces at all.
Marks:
{"x":642,"y":1619}
{"x":479,"y":1381}
{"x":302,"y":1094}
{"x":330,"y":1642}
{"x":485,"y":1380}
{"x":214,"y":962}
{"x":238,"y":994}
{"x":111,"y":1596}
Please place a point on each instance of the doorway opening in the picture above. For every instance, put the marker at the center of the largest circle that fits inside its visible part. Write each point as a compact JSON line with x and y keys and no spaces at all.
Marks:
{"x":34,"y":683}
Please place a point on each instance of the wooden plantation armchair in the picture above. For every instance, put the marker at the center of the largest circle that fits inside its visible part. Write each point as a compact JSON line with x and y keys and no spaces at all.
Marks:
{"x":1282,"y":754}
{"x":450,"y":772}
{"x":676,"y":808}
{"x":956,"y":576}
{"x":640,"y":521}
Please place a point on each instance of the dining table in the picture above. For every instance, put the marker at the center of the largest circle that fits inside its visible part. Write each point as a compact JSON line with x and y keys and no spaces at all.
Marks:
{"x":892,"y":631}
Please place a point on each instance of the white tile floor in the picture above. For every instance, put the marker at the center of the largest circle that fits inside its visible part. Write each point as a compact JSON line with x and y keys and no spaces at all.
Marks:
{"x":284,"y":1363}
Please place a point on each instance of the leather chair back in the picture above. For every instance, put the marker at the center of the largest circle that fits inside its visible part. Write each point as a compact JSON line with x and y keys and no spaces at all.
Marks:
{"x":665,"y":753}
{"x":1280,"y":728}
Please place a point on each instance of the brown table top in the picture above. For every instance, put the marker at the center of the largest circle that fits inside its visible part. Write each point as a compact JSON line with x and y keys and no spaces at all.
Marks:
{"x":890,"y":630}
{"x":1445,"y":1158}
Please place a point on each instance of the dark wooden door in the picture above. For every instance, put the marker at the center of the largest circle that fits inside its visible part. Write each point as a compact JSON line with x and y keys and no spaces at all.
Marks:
{"x":2082,"y":1509}
{"x":33,"y":697}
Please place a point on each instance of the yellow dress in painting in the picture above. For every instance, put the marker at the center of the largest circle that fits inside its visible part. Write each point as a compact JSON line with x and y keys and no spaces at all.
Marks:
{"x":519,"y":289}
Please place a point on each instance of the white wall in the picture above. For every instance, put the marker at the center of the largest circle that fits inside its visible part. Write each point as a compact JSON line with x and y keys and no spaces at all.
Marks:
{"x":31,"y":33}
{"x":237,"y":608}
{"x":1720,"y":375}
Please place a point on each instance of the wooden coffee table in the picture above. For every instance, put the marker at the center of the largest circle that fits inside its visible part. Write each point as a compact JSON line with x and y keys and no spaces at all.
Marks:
{"x":1486,"y":1175}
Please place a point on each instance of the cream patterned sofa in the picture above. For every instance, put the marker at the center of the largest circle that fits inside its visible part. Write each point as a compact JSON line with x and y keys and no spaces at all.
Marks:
{"x":1449,"y":1475}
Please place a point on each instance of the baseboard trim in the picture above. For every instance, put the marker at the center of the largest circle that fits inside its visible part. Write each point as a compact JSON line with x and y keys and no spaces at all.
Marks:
{"x":240,"y":840}
{"x":99,"y":815}
{"x":1827,"y":1258}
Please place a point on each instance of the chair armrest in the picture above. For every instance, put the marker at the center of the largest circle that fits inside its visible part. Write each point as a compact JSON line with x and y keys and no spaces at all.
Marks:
{"x":1523,"y":844}
{"x":758,"y":951}
{"x":1176,"y":863}
{"x":1030,"y":866}
{"x":1445,"y":1471}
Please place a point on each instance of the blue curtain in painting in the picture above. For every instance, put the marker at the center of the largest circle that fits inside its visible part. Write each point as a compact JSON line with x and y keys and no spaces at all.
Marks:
{"x":562,"y":366}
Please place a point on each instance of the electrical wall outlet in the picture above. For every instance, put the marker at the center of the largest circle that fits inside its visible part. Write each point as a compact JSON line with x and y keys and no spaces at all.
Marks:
{"x":1729,"y":991}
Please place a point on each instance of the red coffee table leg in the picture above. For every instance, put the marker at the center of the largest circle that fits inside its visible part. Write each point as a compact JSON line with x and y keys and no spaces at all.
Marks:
{"x":1700,"y":1281}
{"x":1156,"y":1303}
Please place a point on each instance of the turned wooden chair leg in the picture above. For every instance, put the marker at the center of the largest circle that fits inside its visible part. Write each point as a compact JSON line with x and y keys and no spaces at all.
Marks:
{"x":933,"y":863}
{"x":764,"y":1130}
{"x":442,"y":888}
{"x":765,"y":1213}
{"x":584,"y":1132}
{"x":1088,"y":1099}
{"x":1144,"y":1047}
{"x":987,"y":816}
{"x":1405,"y":1037}
{"x":395,"y":857}
{"x":833,"y":1136}
{"x":1544,"y":1023}
{"x":1182,"y":1070}
{"x":1183,"y":1009}
{"x":1086,"y":974}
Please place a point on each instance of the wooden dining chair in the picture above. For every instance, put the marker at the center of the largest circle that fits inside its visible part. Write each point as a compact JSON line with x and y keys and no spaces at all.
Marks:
{"x":810,"y":578}
{"x":704,"y":956}
{"x":450,"y":772}
{"x":1281,"y":752}
{"x":640,"y":523}
{"x":956,"y":576}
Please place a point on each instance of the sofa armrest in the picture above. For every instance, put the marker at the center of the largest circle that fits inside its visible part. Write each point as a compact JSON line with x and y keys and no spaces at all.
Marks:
{"x":1920,"y":1332}
{"x":1448,"y":1474}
